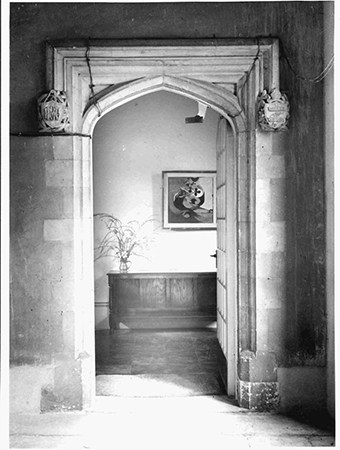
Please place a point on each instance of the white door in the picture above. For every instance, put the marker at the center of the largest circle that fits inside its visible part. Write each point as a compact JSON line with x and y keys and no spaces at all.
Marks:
{"x":226,"y":249}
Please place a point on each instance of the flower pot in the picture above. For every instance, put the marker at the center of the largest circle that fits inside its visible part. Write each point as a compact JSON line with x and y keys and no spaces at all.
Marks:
{"x":124,"y":265}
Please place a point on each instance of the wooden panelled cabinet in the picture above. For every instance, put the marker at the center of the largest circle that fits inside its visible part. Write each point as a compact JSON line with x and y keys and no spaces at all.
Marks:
{"x":162,"y":300}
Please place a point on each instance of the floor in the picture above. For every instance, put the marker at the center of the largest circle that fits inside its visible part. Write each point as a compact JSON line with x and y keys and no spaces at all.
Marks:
{"x":157,"y":363}
{"x":171,"y":398}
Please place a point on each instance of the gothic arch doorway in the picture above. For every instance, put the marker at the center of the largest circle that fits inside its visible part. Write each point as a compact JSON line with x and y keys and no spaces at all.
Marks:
{"x":226,"y":297}
{"x":225,"y":75}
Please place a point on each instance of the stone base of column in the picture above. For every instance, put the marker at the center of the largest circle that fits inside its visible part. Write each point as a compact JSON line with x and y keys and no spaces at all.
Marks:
{"x":257,"y":395}
{"x":72,"y":386}
{"x":257,"y":384}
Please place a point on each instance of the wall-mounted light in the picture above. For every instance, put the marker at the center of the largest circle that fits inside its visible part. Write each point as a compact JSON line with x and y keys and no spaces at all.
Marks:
{"x":202,"y":109}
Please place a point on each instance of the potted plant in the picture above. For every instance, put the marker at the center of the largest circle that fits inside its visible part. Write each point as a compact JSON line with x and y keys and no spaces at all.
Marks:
{"x":122,"y":240}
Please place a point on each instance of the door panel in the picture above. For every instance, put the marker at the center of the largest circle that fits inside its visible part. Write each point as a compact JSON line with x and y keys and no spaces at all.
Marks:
{"x":221,"y":234}
{"x":226,"y":249}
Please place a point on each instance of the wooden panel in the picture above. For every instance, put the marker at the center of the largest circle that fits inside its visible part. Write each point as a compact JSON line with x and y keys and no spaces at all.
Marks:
{"x":221,"y":234}
{"x":162,"y":300}
{"x":152,"y":293}
{"x":126,"y":291}
{"x":231,"y":262}
{"x":206,"y":293}
{"x":226,"y":251}
{"x":182,"y":293}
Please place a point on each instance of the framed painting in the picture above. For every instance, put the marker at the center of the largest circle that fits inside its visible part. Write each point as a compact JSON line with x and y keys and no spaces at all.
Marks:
{"x":189,"y":200}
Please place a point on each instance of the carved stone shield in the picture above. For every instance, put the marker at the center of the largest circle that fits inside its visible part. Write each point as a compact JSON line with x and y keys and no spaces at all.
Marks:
{"x":53,"y":111}
{"x":273,"y":111}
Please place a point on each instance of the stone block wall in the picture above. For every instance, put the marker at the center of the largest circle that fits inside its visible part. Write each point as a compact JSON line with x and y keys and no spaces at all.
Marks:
{"x":270,"y":242}
{"x":43,"y":301}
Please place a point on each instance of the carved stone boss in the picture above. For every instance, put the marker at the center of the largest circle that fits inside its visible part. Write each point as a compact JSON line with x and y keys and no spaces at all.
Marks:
{"x":53,"y":111}
{"x":273,"y":112}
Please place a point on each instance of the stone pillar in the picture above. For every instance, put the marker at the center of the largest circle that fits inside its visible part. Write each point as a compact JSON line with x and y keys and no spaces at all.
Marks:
{"x":258,"y":361}
{"x":52,"y":324}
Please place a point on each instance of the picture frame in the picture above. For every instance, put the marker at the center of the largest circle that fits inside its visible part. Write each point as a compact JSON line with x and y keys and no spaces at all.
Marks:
{"x":189,"y":200}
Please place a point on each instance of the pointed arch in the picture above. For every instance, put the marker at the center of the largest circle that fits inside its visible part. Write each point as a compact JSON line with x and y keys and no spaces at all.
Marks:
{"x":218,"y":98}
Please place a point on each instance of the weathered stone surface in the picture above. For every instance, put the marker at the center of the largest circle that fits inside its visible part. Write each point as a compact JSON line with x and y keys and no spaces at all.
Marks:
{"x":264,"y":144}
{"x":65,"y":393}
{"x":257,"y":367}
{"x":270,"y":265}
{"x":243,"y":198}
{"x":307,"y":384}
{"x":270,"y":166}
{"x":258,"y":396}
{"x":280,"y":143}
{"x":63,"y":148}
{"x":25,"y":397}
{"x":263,"y":201}
{"x":59,"y":173}
{"x":278,"y":200}
{"x":58,"y":230}
{"x":276,"y":330}
{"x":271,"y":238}
{"x":262,"y":339}
{"x":270,"y":292}
{"x":200,"y":422}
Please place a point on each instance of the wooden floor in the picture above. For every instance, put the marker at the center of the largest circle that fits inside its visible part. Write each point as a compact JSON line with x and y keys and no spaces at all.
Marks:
{"x":183,"y":358}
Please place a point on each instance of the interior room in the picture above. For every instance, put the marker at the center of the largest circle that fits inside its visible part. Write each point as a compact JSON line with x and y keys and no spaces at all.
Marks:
{"x":132,"y":146}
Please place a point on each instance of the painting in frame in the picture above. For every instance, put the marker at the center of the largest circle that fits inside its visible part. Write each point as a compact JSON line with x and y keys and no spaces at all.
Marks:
{"x":189,"y":199}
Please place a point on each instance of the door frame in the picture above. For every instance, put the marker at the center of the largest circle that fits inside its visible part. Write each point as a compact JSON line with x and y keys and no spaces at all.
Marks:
{"x":226,"y":75}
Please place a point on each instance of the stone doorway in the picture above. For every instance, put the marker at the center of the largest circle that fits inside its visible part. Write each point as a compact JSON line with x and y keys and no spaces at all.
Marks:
{"x":226,"y":75}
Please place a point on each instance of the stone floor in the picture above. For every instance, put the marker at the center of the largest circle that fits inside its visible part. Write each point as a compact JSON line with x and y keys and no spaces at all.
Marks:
{"x":194,"y":422}
{"x":154,"y":415}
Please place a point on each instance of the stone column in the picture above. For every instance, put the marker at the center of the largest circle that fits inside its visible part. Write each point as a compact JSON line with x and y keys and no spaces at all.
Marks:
{"x":258,"y":359}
